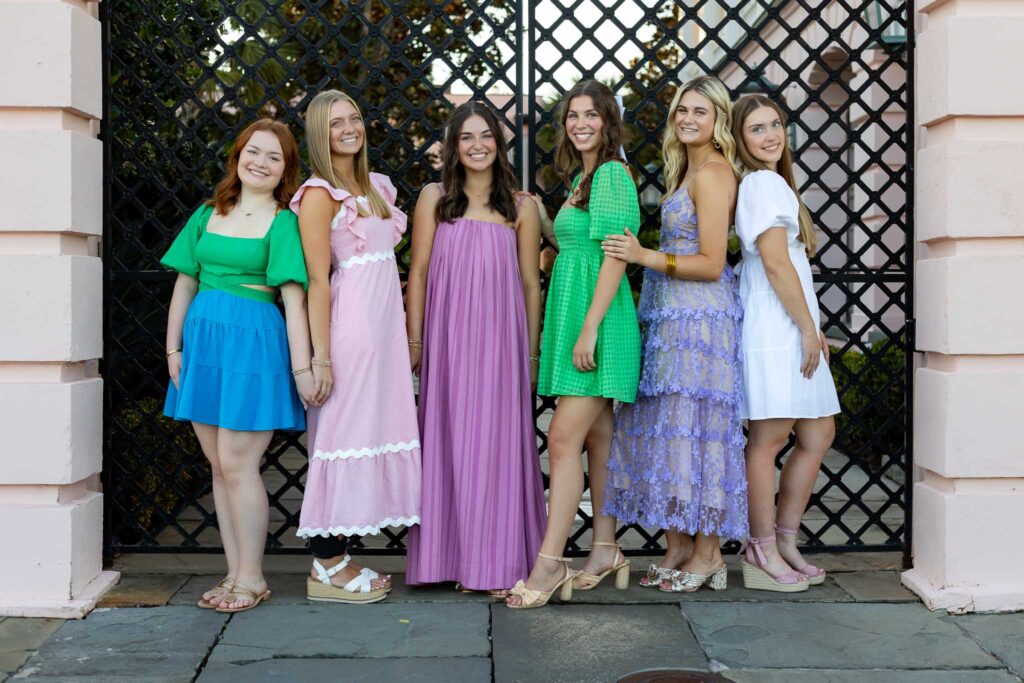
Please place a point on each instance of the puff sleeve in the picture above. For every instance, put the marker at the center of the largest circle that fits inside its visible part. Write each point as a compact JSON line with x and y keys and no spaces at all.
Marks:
{"x":399,"y":221}
{"x":765,"y":201}
{"x":182,"y":254}
{"x":614,"y":203}
{"x":286,"y":262}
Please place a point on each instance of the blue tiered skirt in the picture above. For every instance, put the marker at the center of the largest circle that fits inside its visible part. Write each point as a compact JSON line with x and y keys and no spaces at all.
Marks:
{"x":235,"y":367}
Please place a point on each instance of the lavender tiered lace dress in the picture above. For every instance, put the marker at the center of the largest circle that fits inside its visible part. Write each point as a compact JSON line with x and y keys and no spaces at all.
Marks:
{"x":677,"y":453}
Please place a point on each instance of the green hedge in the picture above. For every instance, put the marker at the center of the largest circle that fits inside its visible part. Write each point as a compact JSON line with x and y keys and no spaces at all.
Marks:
{"x":872,"y":389}
{"x":163,"y":459}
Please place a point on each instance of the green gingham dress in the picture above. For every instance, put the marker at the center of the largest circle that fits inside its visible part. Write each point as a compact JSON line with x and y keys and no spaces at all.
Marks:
{"x":613,"y":207}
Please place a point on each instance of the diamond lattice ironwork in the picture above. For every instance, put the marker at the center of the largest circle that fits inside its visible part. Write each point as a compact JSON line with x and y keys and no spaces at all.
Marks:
{"x":184,"y":77}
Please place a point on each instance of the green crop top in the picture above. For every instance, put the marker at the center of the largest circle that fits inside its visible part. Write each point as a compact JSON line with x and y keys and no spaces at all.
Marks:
{"x":227,"y":263}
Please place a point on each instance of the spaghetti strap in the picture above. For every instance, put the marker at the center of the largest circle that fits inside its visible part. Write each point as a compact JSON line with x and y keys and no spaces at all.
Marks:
{"x":712,"y":161}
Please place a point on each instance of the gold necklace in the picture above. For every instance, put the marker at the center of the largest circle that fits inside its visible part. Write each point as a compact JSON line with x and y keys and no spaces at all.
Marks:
{"x":261,"y":206}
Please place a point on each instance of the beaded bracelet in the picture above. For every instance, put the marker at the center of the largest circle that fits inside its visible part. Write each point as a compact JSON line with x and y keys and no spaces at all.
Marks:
{"x":415,"y":344}
{"x":301,"y":371}
{"x":321,"y":362}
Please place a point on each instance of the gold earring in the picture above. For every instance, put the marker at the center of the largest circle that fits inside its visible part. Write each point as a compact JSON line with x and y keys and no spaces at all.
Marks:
{"x":715,"y":143}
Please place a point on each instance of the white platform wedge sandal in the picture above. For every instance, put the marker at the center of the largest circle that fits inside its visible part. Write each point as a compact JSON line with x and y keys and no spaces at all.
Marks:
{"x":358,"y":591}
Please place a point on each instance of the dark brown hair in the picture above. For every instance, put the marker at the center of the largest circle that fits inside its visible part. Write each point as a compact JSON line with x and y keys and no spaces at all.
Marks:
{"x":228,"y":190}
{"x":454,"y":202}
{"x":613,"y":133}
{"x":740,"y":111}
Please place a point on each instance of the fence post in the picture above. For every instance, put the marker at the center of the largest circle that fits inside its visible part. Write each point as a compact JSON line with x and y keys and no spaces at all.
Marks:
{"x":51,"y":508}
{"x":969,"y":504}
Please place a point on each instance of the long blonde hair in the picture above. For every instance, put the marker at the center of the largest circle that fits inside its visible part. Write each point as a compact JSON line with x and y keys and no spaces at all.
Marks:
{"x":742,"y":109}
{"x":318,"y":141}
{"x":673,"y":152}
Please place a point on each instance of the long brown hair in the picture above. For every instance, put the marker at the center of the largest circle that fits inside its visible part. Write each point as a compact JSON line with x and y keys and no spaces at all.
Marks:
{"x":740,"y":111}
{"x":454,"y":201}
{"x":229,"y":189}
{"x":613,"y":134}
{"x":318,"y":142}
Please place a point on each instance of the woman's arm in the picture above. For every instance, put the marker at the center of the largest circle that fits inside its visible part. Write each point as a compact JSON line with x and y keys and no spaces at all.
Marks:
{"x":424,"y":224}
{"x":316,"y":211}
{"x":528,"y":245}
{"x":608,"y":280}
{"x":297,"y":324}
{"x":714,"y":194}
{"x":774,"y":249}
{"x":185,"y":288}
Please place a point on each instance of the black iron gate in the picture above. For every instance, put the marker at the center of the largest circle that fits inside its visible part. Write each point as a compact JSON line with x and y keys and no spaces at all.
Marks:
{"x":184,"y":77}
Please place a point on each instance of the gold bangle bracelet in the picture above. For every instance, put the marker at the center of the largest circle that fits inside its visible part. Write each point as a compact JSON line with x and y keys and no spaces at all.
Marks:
{"x":413,"y":344}
{"x":670,"y":265}
{"x":172,"y":352}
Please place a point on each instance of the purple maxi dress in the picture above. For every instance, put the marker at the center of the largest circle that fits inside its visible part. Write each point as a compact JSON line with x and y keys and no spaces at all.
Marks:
{"x":483,"y":513}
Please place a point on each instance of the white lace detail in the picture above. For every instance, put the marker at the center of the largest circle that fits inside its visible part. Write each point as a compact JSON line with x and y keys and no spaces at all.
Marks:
{"x":363,"y":259}
{"x":366,"y":451}
{"x":308,"y":532}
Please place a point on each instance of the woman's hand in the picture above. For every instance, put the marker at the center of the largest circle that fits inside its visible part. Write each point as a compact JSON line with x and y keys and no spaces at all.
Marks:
{"x":306,"y":386}
{"x":583,"y":351}
{"x":623,"y":247}
{"x":811,"y":346}
{"x":415,"y":359}
{"x":174,"y":367}
{"x":323,"y":382}
{"x":824,"y":347}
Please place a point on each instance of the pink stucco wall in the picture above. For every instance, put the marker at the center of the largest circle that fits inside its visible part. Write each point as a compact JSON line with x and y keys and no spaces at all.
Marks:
{"x":969,"y":504}
{"x":51,"y":398}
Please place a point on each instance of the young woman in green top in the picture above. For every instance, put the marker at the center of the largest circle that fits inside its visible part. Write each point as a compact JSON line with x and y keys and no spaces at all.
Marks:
{"x":590,"y":345}
{"x":234,"y":362}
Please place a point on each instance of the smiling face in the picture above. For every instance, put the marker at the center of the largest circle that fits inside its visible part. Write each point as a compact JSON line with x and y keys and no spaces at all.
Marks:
{"x":764,"y":135}
{"x":261,"y":162}
{"x":347,"y":131}
{"x":583,"y":124}
{"x":477,"y":145}
{"x":694,"y":119}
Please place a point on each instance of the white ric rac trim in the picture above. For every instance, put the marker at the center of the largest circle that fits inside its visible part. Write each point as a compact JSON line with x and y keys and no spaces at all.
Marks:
{"x":363,"y":259}
{"x":307,"y":532}
{"x":366,"y":451}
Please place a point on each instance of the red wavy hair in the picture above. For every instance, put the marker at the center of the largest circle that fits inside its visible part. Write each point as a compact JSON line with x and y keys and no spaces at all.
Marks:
{"x":228,"y":190}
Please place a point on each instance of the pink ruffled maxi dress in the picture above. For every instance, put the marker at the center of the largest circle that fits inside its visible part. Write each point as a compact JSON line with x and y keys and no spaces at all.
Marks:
{"x":363,"y":443}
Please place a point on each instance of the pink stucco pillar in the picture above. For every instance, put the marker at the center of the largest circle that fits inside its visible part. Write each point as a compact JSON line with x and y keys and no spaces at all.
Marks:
{"x":51,"y":222}
{"x":969,"y":404}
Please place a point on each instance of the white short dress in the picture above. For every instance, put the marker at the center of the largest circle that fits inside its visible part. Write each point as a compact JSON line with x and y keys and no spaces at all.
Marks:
{"x":773,"y":385}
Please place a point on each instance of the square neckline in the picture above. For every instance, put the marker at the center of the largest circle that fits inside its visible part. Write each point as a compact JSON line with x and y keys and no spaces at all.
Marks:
{"x":266,"y":235}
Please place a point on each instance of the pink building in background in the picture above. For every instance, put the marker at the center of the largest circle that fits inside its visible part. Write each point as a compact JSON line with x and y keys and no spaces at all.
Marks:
{"x":968,"y":504}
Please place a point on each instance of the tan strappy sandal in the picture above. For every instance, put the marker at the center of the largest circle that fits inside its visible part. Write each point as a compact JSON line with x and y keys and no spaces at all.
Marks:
{"x":225,"y":584}
{"x":532,"y":599}
{"x":585,"y":582}
{"x":239,"y":591}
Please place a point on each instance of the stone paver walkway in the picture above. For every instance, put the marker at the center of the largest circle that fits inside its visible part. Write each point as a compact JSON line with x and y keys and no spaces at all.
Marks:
{"x":861,"y":626}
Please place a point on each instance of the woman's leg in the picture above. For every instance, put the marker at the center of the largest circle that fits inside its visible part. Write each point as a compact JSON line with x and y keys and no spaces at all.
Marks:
{"x":813,"y":439}
{"x":706,"y":557}
{"x":573,"y":418}
{"x":680,"y":549}
{"x":207,"y":436}
{"x":599,"y":445}
{"x":766,"y":438}
{"x":240,"y":454}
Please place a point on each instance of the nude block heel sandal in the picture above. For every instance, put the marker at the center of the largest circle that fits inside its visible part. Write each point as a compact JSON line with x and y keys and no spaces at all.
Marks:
{"x":532,"y":599}
{"x":358,"y":591}
{"x":756,"y":578}
{"x":815,"y":575}
{"x":585,"y":582}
